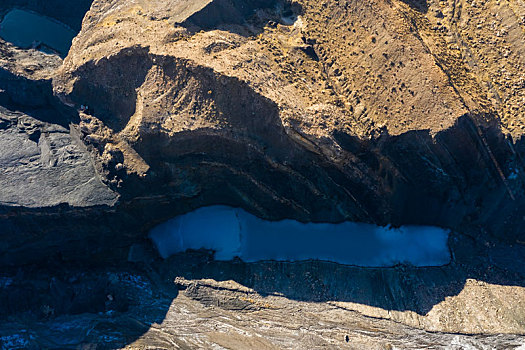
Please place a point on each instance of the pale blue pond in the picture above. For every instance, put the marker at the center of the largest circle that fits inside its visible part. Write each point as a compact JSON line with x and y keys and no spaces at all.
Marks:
{"x":232,"y":232}
{"x":28,"y":29}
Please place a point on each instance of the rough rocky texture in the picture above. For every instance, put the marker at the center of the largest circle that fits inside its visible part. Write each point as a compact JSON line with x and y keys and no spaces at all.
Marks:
{"x":46,"y":165}
{"x":190,"y":301}
{"x":393,"y":112}
{"x":326,"y":111}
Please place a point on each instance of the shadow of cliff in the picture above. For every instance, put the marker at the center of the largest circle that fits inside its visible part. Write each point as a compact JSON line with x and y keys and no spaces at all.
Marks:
{"x":244,"y":17}
{"x":108,"y":88}
{"x":65,"y":305}
{"x":34,"y":98}
{"x":470,"y":175}
{"x":419,"y":5}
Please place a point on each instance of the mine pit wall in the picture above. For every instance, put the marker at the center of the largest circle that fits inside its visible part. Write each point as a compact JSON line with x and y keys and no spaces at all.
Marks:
{"x":464,"y":177}
{"x":469,"y":178}
{"x":244,"y":157}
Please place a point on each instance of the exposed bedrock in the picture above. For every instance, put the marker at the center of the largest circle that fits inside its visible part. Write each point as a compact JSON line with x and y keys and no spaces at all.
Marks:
{"x":178,"y":119}
{"x":386,"y":112}
{"x":232,"y":148}
{"x":452,"y":180}
{"x":466,"y":177}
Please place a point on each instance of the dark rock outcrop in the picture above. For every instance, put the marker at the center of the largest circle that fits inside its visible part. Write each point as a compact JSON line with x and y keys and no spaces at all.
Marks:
{"x":44,"y":165}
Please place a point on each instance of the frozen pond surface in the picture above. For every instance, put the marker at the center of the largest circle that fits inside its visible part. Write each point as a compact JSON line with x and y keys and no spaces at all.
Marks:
{"x":28,"y":29}
{"x":232,"y":232}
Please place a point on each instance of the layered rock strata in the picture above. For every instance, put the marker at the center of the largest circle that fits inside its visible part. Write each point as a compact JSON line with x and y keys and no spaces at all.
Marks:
{"x":388,"y":112}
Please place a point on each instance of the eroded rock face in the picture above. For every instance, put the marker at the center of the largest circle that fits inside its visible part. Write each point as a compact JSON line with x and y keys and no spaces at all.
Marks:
{"x":312,"y":110}
{"x":44,"y":165}
{"x":315,"y":111}
{"x":391,"y":112}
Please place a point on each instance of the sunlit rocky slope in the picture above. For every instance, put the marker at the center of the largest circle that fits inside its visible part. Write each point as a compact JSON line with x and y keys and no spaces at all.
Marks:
{"x":379,"y":111}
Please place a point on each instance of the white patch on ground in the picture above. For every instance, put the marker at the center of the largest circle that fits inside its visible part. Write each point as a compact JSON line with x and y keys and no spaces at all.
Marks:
{"x":232,"y":232}
{"x":299,"y":23}
{"x":464,"y":343}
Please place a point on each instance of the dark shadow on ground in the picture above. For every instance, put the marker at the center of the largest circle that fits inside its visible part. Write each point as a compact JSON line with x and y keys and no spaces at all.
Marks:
{"x":244,"y":17}
{"x":420,"y":5}
{"x":112,"y":98}
{"x":34,"y":98}
{"x":65,"y":305}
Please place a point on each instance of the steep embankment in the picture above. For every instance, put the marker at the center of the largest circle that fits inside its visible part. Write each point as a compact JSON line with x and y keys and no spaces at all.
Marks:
{"x":397,"y":112}
{"x":316,"y":111}
{"x":325,"y":111}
